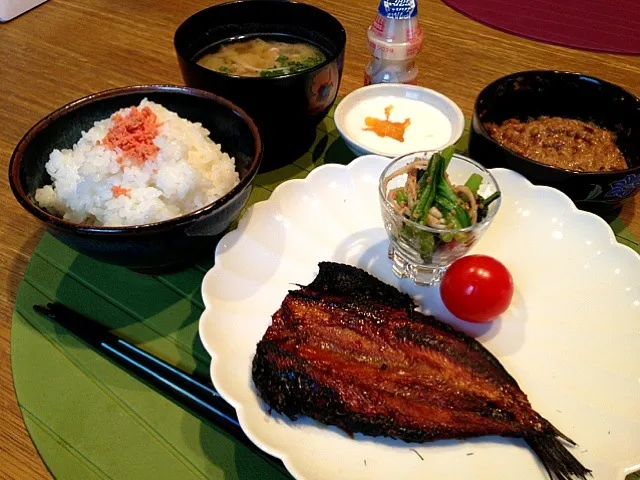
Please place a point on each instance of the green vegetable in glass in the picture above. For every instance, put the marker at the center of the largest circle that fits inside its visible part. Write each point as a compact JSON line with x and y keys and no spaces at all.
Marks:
{"x":447,"y":199}
{"x":447,"y":154}
{"x":490,"y":198}
{"x":422,"y":241}
{"x":473,"y":183}
{"x":427,"y":190}
{"x":483,"y":204}
{"x":437,"y":203}
{"x":401,"y":198}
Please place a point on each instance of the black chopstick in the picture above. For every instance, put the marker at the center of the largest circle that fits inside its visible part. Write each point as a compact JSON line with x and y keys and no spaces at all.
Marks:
{"x":191,"y":391}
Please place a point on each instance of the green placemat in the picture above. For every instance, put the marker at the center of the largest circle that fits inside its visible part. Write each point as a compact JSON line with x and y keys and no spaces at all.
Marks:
{"x":87,"y":417}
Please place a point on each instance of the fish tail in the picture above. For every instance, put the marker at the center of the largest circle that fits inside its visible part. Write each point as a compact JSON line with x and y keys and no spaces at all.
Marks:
{"x":558,"y":433}
{"x":557,"y":460}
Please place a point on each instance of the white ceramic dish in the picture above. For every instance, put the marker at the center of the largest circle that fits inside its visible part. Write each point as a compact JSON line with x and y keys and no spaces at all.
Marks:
{"x":435,"y":121}
{"x":12,"y":8}
{"x":570,"y":337}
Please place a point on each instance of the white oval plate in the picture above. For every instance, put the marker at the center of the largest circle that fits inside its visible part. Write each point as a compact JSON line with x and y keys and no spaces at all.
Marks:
{"x":571,"y":337}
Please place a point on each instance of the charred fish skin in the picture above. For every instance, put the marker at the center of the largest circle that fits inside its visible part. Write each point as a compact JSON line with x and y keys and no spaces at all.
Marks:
{"x":350,"y":351}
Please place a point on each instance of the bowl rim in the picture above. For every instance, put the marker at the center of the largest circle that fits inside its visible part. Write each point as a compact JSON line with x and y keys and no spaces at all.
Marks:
{"x":330,"y":58}
{"x":458,"y":156}
{"x":549,"y":168}
{"x":457,"y":124}
{"x":17,"y":156}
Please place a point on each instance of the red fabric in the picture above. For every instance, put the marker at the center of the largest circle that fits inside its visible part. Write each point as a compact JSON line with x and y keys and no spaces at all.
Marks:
{"x":601,"y":25}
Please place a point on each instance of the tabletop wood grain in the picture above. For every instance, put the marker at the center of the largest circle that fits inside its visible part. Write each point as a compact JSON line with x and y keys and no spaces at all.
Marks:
{"x":65,"y":49}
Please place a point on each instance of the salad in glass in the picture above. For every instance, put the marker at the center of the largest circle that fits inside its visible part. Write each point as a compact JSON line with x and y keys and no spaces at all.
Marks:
{"x":435,"y":205}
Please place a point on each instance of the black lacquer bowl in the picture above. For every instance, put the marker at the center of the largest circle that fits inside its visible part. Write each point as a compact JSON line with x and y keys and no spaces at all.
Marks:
{"x":150,"y":248}
{"x":533,"y":94}
{"x":288,"y":108}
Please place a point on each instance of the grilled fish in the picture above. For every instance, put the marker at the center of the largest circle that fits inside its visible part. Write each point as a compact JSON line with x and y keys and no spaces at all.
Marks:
{"x":350,"y":351}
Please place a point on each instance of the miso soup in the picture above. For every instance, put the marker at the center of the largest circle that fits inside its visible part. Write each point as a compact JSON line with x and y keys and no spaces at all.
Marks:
{"x":262,"y":58}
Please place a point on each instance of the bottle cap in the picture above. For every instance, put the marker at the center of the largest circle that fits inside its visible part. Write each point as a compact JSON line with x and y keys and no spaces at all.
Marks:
{"x":398,"y":9}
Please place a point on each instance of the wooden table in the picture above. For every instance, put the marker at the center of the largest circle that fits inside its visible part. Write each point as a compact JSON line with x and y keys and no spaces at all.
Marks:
{"x":65,"y":49}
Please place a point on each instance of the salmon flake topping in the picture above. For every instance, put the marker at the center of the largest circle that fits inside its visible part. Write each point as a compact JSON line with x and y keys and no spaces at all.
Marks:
{"x":133,"y":134}
{"x":117,"y":190}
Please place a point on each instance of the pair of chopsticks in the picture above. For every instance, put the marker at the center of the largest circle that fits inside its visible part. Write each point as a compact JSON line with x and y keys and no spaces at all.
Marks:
{"x":190,"y":391}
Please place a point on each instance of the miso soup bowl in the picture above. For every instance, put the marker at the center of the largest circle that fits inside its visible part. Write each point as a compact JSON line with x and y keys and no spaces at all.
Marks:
{"x":288,"y":108}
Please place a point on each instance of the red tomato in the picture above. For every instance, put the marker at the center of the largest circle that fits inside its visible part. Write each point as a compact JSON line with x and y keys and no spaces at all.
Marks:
{"x":476,"y":288}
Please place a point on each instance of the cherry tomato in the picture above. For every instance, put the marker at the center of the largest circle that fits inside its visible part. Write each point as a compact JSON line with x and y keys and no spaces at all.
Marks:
{"x":476,"y":288}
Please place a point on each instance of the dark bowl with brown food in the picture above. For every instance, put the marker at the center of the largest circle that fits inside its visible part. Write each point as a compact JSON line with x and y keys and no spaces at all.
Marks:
{"x":566,"y":130}
{"x":288,"y":94}
{"x":158,"y":247}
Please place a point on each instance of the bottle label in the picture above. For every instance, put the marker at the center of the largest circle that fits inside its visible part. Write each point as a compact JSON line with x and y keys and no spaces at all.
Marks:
{"x":379,"y":24}
{"x":398,"y":9}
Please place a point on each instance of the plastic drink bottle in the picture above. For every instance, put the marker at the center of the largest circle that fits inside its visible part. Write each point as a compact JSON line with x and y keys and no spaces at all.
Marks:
{"x":394,"y":40}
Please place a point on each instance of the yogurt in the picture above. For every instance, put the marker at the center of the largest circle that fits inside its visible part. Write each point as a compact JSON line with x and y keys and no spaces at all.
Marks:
{"x":430,"y":129}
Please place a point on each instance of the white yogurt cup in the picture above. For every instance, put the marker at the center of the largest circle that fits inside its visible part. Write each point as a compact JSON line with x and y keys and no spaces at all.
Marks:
{"x":435,"y":121}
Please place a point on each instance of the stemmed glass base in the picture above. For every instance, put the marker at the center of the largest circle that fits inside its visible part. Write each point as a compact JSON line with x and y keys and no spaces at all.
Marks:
{"x":420,"y":274}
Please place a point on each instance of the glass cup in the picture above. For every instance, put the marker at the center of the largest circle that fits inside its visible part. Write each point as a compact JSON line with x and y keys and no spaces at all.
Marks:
{"x":423,"y":253}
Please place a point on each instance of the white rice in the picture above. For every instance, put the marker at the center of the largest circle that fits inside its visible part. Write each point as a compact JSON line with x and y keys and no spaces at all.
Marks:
{"x":189,"y":172}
